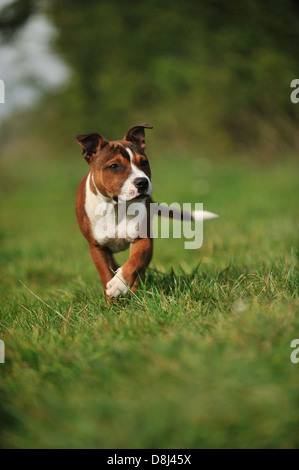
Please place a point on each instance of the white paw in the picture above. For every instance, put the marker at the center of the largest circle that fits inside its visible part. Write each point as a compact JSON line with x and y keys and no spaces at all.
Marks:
{"x":117,"y":285}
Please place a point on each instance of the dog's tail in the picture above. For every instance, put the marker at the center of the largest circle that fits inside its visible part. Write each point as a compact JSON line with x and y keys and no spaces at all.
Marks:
{"x":178,"y":214}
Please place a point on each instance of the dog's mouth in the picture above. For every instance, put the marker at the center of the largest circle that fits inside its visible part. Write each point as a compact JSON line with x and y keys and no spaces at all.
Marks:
{"x":139,"y":197}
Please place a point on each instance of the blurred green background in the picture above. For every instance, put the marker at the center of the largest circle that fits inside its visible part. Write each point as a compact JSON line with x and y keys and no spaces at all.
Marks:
{"x":201,"y":356}
{"x":210,"y":76}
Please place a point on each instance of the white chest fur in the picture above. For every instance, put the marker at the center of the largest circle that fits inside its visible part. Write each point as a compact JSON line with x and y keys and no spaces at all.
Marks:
{"x":111,"y":224}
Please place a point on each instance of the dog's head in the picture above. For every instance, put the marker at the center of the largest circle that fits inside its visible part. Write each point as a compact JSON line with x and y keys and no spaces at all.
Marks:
{"x":120,"y":169}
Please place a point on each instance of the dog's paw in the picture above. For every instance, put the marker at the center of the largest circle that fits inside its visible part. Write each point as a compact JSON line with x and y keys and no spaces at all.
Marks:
{"x":117,"y":285}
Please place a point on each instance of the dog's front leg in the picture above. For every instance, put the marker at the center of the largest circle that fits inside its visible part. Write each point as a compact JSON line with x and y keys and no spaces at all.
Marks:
{"x":104,"y":262}
{"x":140,"y":255}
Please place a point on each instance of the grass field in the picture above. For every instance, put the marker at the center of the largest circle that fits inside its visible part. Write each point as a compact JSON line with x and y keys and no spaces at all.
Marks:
{"x":199,"y":358}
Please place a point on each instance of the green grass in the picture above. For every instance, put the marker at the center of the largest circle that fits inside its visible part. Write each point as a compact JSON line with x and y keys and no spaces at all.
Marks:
{"x":200,"y":357}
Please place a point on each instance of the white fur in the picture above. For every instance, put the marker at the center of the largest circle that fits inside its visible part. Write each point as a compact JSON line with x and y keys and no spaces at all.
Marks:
{"x":92,"y":200}
{"x":203,"y":215}
{"x":113,"y":236}
{"x":117,"y":285}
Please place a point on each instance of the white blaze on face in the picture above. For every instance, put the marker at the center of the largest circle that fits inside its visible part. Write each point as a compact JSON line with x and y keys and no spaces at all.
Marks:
{"x":129,"y":190}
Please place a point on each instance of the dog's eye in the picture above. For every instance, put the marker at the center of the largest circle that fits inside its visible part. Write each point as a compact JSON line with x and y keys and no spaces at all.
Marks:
{"x":113,"y":167}
{"x":144,"y":163}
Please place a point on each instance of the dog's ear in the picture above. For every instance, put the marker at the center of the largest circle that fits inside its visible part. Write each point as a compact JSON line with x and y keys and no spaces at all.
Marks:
{"x":90,"y":143}
{"x":137,"y":136}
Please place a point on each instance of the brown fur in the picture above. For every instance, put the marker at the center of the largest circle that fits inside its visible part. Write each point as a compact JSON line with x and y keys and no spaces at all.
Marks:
{"x":99,"y":154}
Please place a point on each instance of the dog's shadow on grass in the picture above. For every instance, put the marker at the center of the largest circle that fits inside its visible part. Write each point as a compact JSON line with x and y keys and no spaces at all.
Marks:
{"x":183,"y":281}
{"x":169,"y":283}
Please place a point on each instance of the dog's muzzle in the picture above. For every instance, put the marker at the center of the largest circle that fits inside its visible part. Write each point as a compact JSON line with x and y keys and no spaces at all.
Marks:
{"x":141,"y":184}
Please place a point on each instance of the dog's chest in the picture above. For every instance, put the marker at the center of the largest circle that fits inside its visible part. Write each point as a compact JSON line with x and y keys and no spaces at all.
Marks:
{"x":111,"y":224}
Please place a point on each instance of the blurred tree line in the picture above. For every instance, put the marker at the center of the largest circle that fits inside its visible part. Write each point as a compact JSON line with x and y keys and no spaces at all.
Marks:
{"x":214,"y":75}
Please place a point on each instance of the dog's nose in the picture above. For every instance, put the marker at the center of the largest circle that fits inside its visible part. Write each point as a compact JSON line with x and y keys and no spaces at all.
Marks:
{"x":141,"y":184}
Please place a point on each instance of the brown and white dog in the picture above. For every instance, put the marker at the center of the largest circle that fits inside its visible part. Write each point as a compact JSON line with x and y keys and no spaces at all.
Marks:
{"x":119,"y":172}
